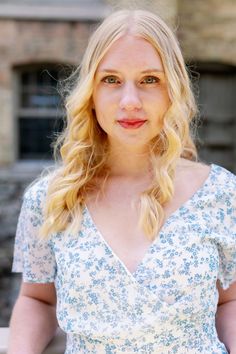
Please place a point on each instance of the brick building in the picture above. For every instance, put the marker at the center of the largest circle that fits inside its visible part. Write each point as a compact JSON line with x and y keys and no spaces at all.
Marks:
{"x":41,"y":41}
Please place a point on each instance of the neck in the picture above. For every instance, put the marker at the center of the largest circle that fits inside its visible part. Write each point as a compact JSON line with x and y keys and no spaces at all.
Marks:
{"x":129,"y":163}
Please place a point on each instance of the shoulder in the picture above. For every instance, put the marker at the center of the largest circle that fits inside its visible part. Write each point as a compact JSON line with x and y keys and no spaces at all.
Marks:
{"x":220,"y":190}
{"x":223,"y":177}
{"x":223,"y":183}
{"x":191,"y":175}
{"x":216,"y":173}
{"x":217,"y":181}
{"x":196,"y":170}
{"x":35,"y":194}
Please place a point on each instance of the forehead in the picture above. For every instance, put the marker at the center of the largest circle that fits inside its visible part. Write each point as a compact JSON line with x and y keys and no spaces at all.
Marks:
{"x":131,"y":51}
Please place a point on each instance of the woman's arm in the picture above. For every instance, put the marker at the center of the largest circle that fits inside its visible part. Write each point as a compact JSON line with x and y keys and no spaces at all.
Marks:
{"x":33,"y":322}
{"x":226,"y":317}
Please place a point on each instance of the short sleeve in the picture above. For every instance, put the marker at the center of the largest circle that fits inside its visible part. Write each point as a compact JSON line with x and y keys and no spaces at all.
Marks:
{"x":226,"y":215}
{"x":33,"y":256}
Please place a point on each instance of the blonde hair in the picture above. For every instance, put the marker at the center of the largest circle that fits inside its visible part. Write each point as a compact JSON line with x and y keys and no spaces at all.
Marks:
{"x":83,"y":145}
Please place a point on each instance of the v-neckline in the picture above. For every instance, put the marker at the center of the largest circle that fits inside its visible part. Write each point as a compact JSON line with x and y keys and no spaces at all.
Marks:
{"x":161,"y":232}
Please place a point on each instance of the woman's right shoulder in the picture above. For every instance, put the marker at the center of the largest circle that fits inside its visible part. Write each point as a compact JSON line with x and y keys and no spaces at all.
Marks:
{"x":35,"y":194}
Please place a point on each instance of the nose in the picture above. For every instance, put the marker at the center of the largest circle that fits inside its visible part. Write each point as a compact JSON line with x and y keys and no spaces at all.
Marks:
{"x":130,"y":99}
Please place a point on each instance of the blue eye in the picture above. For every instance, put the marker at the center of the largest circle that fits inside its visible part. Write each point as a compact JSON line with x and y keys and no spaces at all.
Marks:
{"x":150,"y":80}
{"x":111,"y":80}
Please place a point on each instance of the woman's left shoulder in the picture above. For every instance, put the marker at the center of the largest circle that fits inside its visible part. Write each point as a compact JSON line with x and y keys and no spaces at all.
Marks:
{"x":223,"y":178}
{"x":222,"y":184}
{"x":219,"y":179}
{"x":219,"y":173}
{"x":194,"y":173}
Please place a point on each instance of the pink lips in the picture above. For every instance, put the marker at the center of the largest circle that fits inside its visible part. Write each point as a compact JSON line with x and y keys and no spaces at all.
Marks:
{"x":131,"y":123}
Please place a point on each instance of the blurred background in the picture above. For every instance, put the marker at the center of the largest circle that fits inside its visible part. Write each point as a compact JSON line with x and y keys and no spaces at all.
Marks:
{"x":40,"y":44}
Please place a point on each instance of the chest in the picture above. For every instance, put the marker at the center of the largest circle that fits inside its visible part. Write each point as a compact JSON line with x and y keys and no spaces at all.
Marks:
{"x":116,"y":215}
{"x":117,"y":223}
{"x":118,"y":226}
{"x":183,"y":256}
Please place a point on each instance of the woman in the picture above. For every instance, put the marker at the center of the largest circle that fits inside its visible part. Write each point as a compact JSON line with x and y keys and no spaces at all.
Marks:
{"x":137,"y":238}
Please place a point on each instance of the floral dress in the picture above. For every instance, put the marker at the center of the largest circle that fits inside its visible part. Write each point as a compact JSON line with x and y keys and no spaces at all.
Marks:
{"x":167,"y":305}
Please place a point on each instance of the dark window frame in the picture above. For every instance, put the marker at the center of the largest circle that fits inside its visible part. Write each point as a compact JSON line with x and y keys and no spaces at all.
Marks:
{"x":40,"y":114}
{"x":214,"y":147}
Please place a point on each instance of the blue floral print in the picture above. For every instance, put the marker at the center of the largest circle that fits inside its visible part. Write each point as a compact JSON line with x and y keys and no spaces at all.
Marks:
{"x":167,"y":305}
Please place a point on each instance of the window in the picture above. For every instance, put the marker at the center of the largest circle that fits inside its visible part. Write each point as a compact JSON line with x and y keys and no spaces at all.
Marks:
{"x":217,"y":85}
{"x":40,"y":111}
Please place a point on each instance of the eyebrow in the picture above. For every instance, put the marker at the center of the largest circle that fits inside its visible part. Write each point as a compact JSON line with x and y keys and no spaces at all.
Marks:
{"x":147,"y":71}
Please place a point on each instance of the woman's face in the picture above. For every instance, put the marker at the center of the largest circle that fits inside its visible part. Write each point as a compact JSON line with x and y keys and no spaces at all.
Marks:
{"x":130,"y":93}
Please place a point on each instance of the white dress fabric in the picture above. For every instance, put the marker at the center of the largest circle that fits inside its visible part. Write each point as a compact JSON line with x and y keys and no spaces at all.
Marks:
{"x":167,"y":305}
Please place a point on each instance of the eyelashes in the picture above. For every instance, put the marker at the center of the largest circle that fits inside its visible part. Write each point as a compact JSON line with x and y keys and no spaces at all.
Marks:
{"x":114,"y":80}
{"x":111,"y":79}
{"x":151,"y":80}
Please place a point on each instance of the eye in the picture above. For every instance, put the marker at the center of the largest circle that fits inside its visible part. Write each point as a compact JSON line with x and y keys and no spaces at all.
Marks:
{"x":150,"y":80}
{"x":111,"y":79}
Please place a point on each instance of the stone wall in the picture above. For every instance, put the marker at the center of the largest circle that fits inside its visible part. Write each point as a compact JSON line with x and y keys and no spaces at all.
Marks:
{"x":25,"y":43}
{"x":207,"y":30}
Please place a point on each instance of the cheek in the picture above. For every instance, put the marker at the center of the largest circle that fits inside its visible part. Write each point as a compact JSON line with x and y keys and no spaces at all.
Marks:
{"x":105,"y":110}
{"x":101,"y":102}
{"x":163,"y":106}
{"x":101,"y":115}
{"x":163,"y":97}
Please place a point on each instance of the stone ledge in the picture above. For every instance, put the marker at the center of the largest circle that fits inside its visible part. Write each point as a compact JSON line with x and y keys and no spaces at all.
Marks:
{"x":24,"y":170}
{"x":57,"y":345}
{"x":55,"y":13}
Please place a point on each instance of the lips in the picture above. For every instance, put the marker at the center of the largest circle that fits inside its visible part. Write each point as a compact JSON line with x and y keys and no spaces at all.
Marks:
{"x":131,"y":123}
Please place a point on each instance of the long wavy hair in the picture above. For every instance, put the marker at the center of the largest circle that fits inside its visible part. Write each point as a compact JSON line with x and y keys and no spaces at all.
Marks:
{"x":83,"y":146}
